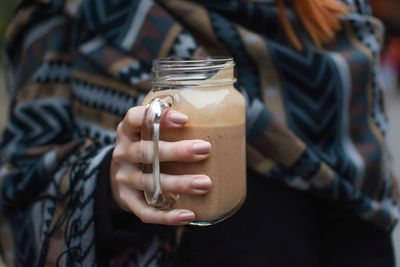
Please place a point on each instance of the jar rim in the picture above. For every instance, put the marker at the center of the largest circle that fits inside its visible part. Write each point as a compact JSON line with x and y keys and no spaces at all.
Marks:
{"x":194,"y":59}
{"x":193,"y":71}
{"x":192,"y":63}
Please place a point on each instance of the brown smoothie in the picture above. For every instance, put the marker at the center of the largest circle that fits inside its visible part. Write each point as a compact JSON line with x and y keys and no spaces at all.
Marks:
{"x":225,"y":166}
{"x":216,"y":115}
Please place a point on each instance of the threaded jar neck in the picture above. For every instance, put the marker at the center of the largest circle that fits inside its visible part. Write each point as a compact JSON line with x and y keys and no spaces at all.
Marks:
{"x":175,"y":73}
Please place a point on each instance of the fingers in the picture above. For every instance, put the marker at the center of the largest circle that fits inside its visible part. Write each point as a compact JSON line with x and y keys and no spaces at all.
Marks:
{"x":129,"y":148}
{"x":147,"y":214}
{"x":129,"y":195}
{"x":132,"y":123}
{"x":184,"y":151}
{"x":126,"y":176}
{"x":127,"y":191}
{"x":173,"y":119}
{"x":186,"y":184}
{"x":130,"y":176}
{"x":180,"y":151}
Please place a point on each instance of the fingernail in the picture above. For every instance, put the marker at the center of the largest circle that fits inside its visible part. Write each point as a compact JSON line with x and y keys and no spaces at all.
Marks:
{"x":202,"y":148}
{"x":201,"y":183}
{"x":177,"y":117}
{"x":186,"y":216}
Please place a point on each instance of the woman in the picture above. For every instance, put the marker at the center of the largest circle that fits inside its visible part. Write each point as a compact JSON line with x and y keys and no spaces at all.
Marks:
{"x":321,"y":191}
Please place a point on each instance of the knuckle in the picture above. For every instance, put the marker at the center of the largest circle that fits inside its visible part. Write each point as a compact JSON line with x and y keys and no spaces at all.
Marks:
{"x":181,"y":150}
{"x":130,"y":113}
{"x":119,"y":177}
{"x":131,"y":116}
{"x":123,"y":203}
{"x":183,"y":185}
{"x":143,"y":216}
{"x":122,"y":196}
{"x":136,"y":149}
{"x":118,"y":153}
{"x":119,"y":128}
{"x":175,"y":184}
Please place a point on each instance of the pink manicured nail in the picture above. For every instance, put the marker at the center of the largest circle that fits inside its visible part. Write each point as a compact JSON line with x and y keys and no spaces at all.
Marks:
{"x":177,"y":117}
{"x":202,"y":148}
{"x":201,"y":183}
{"x":186,"y":216}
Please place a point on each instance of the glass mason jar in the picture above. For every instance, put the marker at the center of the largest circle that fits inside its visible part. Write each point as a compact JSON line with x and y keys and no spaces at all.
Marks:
{"x":201,"y":88}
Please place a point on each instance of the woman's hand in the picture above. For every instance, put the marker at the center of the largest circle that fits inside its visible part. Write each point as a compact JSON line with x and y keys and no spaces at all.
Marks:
{"x":126,"y":175}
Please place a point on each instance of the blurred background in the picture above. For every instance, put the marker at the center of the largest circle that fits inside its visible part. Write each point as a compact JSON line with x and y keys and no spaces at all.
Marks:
{"x":390,"y":77}
{"x":6,"y":12}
